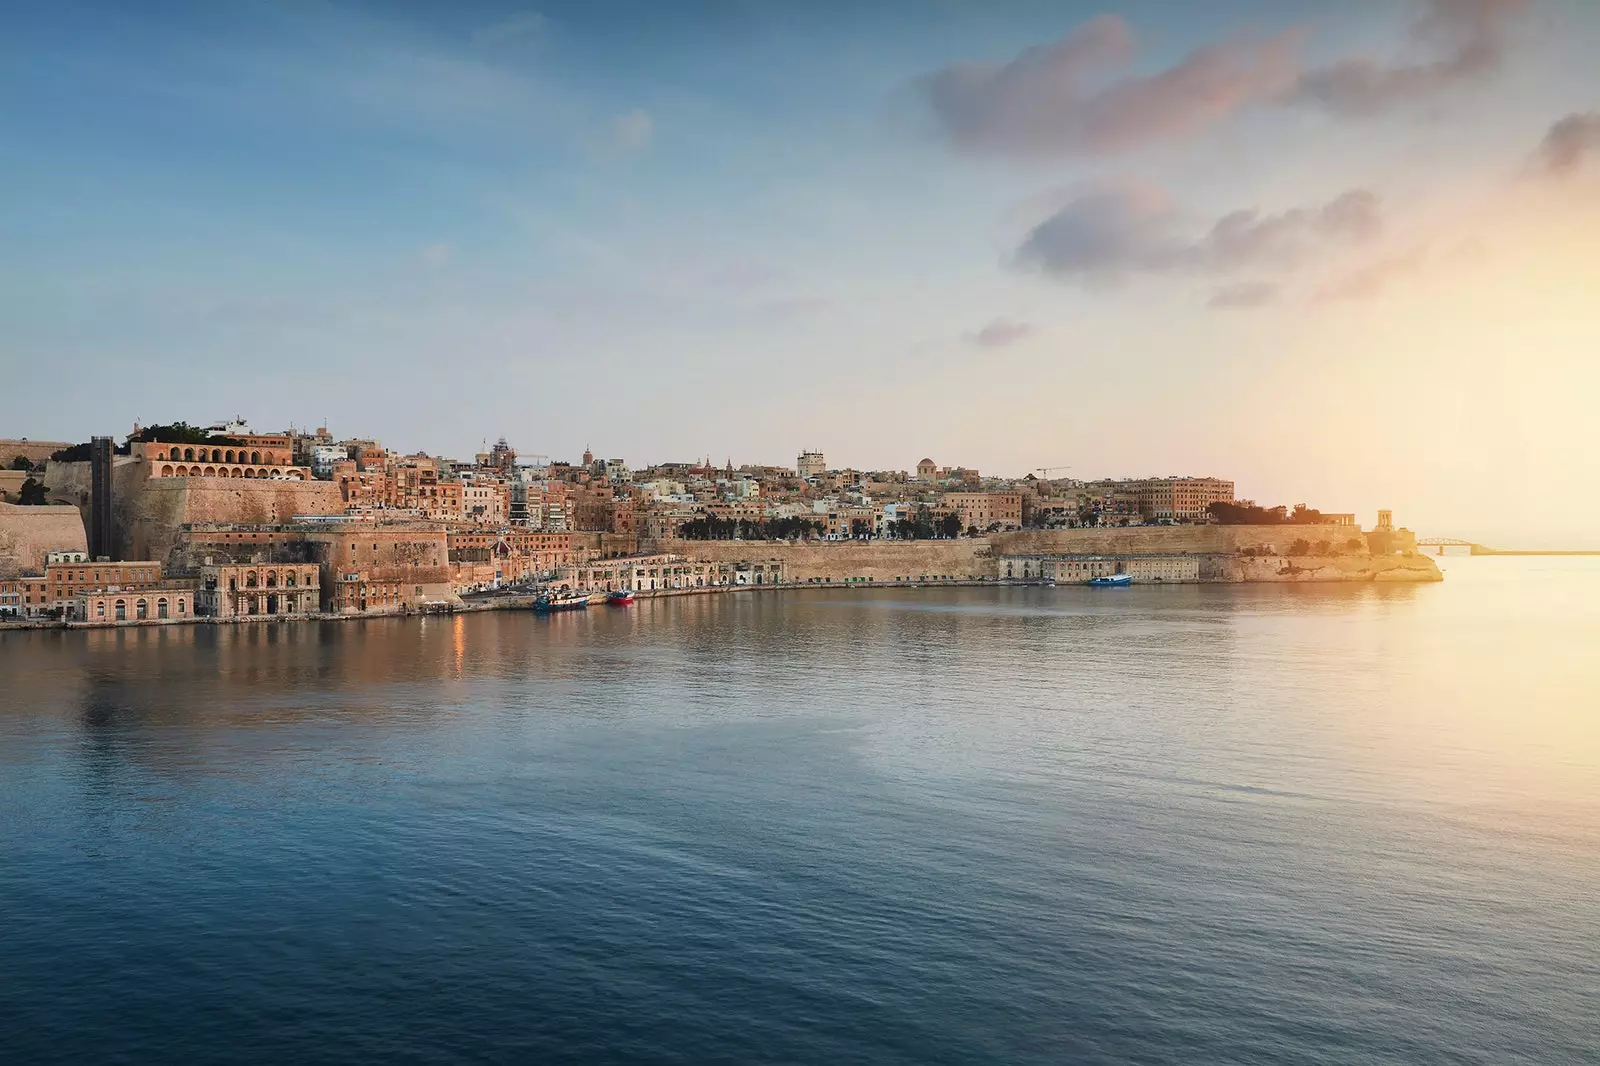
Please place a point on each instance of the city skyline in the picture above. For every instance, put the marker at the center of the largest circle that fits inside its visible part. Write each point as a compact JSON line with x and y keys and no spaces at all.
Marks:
{"x":1340,"y":256}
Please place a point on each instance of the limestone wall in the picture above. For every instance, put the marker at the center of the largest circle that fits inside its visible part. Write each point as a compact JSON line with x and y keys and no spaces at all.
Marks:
{"x":1220,"y":550}
{"x":147,"y":508}
{"x":1170,"y":539}
{"x":35,"y":451}
{"x":27,"y":534}
{"x":836,"y":561}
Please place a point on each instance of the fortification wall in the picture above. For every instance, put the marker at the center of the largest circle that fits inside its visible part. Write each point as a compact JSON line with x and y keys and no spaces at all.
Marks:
{"x":35,"y":451}
{"x":148,"y":517}
{"x":837,"y":561}
{"x":1221,"y":548}
{"x":1268,"y":540}
{"x":27,"y":534}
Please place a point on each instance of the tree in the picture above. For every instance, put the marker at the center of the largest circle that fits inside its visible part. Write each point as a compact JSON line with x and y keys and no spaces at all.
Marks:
{"x":78,"y":453}
{"x":1300,"y":547}
{"x":21,"y":463}
{"x":950,"y":525}
{"x":33,"y":493}
{"x":182,"y":433}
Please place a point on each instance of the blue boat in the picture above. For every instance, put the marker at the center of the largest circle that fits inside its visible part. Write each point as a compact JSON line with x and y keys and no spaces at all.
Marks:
{"x":1111,"y":581}
{"x":564,"y":600}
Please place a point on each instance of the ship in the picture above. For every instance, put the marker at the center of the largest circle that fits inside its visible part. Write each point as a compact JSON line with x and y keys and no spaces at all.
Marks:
{"x":564,"y":600}
{"x":620,"y":598}
{"x":1111,"y":581}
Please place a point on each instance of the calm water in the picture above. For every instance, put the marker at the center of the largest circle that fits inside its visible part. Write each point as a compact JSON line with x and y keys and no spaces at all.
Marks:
{"x":1163,"y":825}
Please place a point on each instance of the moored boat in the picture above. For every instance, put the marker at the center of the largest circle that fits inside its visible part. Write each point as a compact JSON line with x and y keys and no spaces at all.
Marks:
{"x":564,"y":600}
{"x":620,"y":598}
{"x":1110,"y":581}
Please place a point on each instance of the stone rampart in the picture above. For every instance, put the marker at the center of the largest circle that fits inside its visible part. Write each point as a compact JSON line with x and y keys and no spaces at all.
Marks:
{"x":28,"y":534}
{"x":882,"y":560}
{"x":1227,"y":553}
{"x":1166,"y":540}
{"x":35,"y":451}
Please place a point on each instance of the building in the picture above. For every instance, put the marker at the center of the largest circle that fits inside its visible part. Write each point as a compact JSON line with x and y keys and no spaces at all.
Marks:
{"x":69,"y":578}
{"x":10,"y":599}
{"x":486,"y":500}
{"x":151,"y":605}
{"x":240,"y":457}
{"x":324,"y":456}
{"x":1181,"y":498}
{"x":653,"y":573}
{"x":986,"y":510}
{"x":1079,"y":568}
{"x":258,"y":590}
{"x":811,"y":464}
{"x":927,"y":470}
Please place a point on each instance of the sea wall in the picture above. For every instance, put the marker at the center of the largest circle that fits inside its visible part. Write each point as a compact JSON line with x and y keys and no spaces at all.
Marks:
{"x":841,"y":560}
{"x":1134,"y":540}
{"x":1228,"y":554}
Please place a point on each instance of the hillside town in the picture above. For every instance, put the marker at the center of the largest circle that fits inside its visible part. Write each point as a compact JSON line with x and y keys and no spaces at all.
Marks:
{"x":179,"y":522}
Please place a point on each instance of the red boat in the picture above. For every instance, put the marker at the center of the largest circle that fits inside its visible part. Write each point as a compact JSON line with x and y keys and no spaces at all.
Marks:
{"x":620,"y":598}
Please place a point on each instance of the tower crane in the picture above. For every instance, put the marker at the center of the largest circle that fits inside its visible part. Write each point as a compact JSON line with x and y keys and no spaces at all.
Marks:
{"x":1045,"y":471}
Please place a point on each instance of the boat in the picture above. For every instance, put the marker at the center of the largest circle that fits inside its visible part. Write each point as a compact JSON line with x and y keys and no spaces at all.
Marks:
{"x":564,"y":600}
{"x":1111,"y":581}
{"x":620,"y":598}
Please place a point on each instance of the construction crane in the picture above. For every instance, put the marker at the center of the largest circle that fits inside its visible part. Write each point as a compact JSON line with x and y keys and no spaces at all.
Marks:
{"x":1044,"y":471}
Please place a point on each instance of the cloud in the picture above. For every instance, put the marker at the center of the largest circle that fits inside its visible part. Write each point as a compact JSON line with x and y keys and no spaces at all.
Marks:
{"x":1569,"y":141}
{"x":1001,"y":333}
{"x":513,"y":27}
{"x":1074,"y":96}
{"x":1374,"y":279}
{"x":1471,"y":35}
{"x":1046,"y":102}
{"x":1244,"y":294}
{"x":1109,"y":233}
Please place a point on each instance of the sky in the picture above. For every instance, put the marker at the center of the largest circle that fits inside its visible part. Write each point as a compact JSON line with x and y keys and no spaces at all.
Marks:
{"x":1347,"y":254}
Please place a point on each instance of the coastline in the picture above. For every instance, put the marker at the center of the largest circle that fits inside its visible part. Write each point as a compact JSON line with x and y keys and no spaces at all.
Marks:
{"x":525,"y":601}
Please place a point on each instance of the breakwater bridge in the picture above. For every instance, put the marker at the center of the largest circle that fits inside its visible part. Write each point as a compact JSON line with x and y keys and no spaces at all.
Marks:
{"x":1442,"y":545}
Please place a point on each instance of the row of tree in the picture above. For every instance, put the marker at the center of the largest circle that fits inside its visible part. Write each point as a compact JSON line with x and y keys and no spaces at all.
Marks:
{"x":171,"y":432}
{"x":710,"y":527}
{"x":1246,"y":513}
{"x":921,"y":525}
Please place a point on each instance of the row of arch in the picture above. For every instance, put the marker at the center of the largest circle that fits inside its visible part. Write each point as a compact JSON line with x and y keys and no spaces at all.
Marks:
{"x":176,"y":608}
{"x":269,"y":579}
{"x":216,"y":455}
{"x":279,"y":472}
